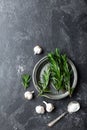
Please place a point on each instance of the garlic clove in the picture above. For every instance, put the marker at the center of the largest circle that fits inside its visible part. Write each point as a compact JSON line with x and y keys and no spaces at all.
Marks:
{"x":28,"y":95}
{"x":40,"y":109}
{"x":37,"y":50}
{"x":49,"y":106}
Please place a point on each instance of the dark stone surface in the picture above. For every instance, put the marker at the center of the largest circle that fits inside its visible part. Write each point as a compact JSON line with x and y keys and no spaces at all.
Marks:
{"x":51,"y":24}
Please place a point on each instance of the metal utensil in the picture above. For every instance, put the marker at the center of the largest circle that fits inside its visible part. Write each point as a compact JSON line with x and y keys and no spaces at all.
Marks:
{"x":72,"y":107}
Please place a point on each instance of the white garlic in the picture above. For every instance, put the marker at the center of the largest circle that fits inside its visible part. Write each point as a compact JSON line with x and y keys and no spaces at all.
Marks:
{"x":37,"y":50}
{"x":40,"y":109}
{"x":28,"y":95}
{"x":49,"y":106}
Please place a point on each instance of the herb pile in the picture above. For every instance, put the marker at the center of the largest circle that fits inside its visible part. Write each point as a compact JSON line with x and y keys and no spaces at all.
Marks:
{"x":58,"y":73}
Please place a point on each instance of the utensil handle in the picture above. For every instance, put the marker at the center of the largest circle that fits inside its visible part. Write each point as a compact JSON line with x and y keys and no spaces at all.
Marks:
{"x":57,"y":119}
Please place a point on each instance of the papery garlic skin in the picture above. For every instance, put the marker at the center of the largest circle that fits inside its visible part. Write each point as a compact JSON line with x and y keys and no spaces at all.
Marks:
{"x":49,"y":106}
{"x":37,"y":50}
{"x":28,"y":95}
{"x":40,"y":109}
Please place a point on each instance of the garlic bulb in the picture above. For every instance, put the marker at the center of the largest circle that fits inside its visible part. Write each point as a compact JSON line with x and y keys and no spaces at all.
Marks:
{"x":37,"y":50}
{"x":28,"y":95}
{"x":40,"y":109}
{"x":49,"y":106}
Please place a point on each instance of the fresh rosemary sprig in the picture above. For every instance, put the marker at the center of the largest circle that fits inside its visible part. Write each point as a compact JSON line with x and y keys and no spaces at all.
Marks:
{"x":43,"y":83}
{"x":26,"y":80}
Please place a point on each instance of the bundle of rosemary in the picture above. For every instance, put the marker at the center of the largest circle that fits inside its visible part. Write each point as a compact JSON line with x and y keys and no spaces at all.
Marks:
{"x":59,"y":73}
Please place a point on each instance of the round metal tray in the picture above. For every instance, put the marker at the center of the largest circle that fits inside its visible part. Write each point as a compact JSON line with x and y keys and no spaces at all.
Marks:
{"x":42,"y":65}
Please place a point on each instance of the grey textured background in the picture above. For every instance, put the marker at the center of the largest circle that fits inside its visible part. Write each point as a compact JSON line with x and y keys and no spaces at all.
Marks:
{"x":51,"y":24}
